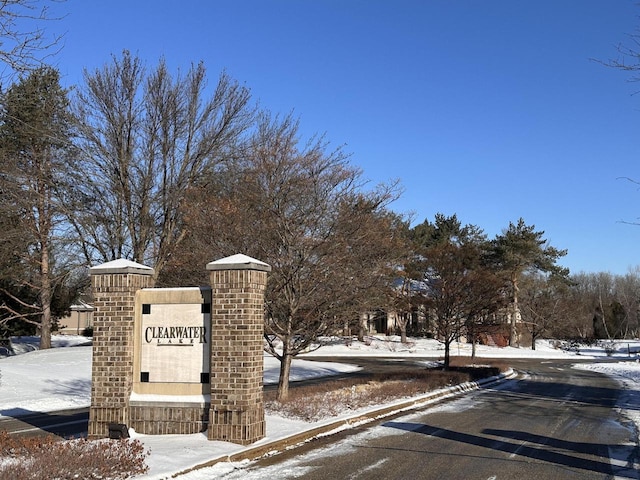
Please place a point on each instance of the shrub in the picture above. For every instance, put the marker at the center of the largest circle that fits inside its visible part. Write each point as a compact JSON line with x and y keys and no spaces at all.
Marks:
{"x":87,"y":332}
{"x":47,"y":457}
{"x":322,"y":400}
{"x":609,"y":347}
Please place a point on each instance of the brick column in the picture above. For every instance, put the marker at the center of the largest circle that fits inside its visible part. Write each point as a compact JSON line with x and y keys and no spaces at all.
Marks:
{"x":114,"y":287}
{"x":237,"y":359}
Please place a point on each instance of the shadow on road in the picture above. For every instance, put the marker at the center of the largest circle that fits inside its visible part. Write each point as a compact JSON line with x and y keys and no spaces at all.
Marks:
{"x":568,"y":459}
{"x":587,"y":394}
{"x":597,"y":449}
{"x":63,"y":424}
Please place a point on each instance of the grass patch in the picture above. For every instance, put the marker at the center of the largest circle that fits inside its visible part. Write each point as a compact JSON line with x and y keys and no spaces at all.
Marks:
{"x":327,"y":399}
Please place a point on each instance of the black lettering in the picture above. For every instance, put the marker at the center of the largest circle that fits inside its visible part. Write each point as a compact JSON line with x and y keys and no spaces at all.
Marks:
{"x":179,"y":333}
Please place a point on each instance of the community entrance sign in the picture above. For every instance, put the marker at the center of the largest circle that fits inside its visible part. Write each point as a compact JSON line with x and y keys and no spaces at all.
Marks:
{"x":179,"y":360}
{"x":172,"y":340}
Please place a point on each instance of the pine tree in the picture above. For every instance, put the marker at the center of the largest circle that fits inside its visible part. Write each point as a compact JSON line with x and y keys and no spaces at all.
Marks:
{"x":34,"y":141}
{"x":520,"y":248}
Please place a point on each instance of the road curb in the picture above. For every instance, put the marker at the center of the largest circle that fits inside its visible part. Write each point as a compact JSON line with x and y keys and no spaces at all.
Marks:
{"x":281,"y":444}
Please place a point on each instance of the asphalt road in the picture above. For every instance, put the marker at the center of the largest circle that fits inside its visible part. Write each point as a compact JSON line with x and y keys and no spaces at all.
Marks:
{"x":63,"y":424}
{"x":553,"y":422}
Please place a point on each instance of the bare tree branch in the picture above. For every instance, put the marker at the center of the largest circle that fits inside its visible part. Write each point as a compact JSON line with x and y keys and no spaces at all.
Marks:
{"x":24,"y":43}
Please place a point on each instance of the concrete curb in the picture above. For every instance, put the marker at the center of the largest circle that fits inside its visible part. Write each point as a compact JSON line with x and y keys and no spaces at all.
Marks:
{"x":281,"y":444}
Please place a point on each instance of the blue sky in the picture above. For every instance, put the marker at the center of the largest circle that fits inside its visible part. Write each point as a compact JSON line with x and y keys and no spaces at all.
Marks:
{"x":492,"y":110}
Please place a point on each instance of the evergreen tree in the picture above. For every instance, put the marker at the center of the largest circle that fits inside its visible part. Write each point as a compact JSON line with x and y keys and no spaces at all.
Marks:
{"x":520,"y":248}
{"x":34,"y":144}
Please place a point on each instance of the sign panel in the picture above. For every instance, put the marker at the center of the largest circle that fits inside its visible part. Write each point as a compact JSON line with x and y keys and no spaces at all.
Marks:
{"x":174,"y":343}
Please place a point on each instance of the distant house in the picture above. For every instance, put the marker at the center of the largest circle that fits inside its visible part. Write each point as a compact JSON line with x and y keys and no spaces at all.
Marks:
{"x":414,"y":317}
{"x":419,"y":320}
{"x":80,"y":318}
{"x":387,"y":322}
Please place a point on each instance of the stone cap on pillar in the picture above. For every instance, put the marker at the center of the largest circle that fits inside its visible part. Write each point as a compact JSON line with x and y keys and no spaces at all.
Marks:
{"x":239,"y":262}
{"x":121,"y":266}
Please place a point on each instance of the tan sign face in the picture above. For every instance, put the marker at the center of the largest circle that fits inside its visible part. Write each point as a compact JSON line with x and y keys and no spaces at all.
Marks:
{"x":174,"y":343}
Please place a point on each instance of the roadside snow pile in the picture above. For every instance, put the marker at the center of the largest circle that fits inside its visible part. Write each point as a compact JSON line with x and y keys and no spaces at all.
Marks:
{"x":628,"y":374}
{"x":20,"y":345}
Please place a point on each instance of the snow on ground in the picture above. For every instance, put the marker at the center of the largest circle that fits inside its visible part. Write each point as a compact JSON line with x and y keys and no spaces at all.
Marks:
{"x":60,"y":378}
{"x":628,"y":374}
{"x":416,"y":347}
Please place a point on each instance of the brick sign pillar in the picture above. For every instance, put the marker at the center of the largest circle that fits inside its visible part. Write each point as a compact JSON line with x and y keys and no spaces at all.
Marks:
{"x":114,"y":287}
{"x":237,"y":359}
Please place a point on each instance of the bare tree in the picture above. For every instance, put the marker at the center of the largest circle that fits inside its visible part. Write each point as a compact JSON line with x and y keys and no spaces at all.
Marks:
{"x":463,"y":290}
{"x":402,"y":302}
{"x":487,"y":299}
{"x":628,"y":294}
{"x":462,"y":293}
{"x":578,"y":323}
{"x":146,"y":139}
{"x":544,"y":304}
{"x":303,"y":210}
{"x":24,"y":43}
{"x":628,"y":61}
{"x":608,"y":305}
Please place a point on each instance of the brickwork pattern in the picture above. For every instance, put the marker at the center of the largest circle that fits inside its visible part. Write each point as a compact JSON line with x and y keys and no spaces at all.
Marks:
{"x":112,"y":366}
{"x":169,"y":420}
{"x":237,"y":363}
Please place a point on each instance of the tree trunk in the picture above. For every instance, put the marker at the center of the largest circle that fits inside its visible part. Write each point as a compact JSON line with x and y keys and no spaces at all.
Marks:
{"x":362,"y":326}
{"x":515,"y":312}
{"x":346,"y":329}
{"x":604,"y":319}
{"x":45,"y":300}
{"x":283,"y":381}
{"x":473,"y":345}
{"x":402,"y":325}
{"x":447,"y":354}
